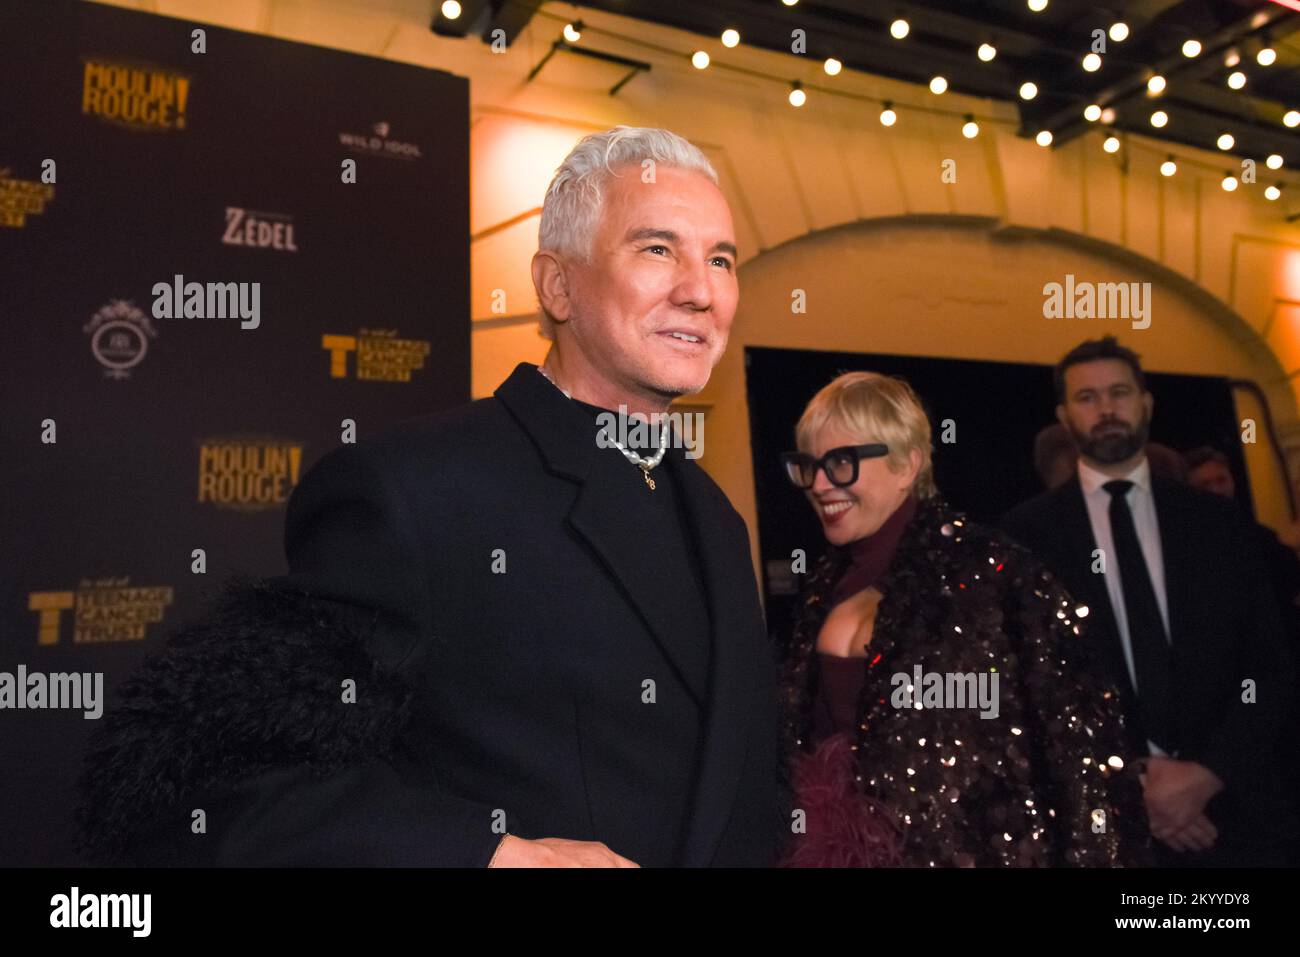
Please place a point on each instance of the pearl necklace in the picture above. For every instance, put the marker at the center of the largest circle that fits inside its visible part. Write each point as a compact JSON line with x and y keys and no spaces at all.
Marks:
{"x":641,"y":462}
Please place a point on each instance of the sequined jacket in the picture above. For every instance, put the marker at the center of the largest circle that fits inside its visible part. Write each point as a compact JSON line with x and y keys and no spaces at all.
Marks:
{"x":1038,"y":785}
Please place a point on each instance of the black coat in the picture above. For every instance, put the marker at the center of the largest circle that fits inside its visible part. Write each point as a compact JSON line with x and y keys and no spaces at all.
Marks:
{"x":483,"y":698}
{"x":1224,"y":626}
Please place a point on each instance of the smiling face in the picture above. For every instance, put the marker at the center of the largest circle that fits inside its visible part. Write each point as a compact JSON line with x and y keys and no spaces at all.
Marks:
{"x":1106,"y":411}
{"x":650,"y":314}
{"x":857,"y":510}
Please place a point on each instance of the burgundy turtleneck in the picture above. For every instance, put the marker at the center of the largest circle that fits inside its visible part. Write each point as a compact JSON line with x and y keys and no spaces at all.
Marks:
{"x":840,"y":680}
{"x":870,"y":555}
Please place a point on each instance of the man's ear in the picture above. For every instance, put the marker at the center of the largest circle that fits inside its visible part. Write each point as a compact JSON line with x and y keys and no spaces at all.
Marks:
{"x":552,"y":285}
{"x":1062,"y":417}
{"x":1149,"y":401}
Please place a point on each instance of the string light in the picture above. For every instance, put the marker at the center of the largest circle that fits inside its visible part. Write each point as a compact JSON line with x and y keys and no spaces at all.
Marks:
{"x":887,"y":116}
{"x":1119,"y":31}
{"x":1159,"y":118}
{"x":1038,"y":6}
{"x":573,"y":31}
{"x":699,"y":59}
{"x":1168,"y":167}
{"x":1028,"y":90}
{"x":1111,"y":144}
{"x":938,"y":85}
{"x":1232,"y":59}
{"x":730,"y":37}
{"x":1229,"y":182}
{"x":1292,"y":118}
{"x":797,"y":96}
{"x":1236,"y":80}
{"x":450,"y":9}
{"x":1092,"y":112}
{"x":1191,"y":48}
{"x":1156,"y":85}
{"x":1044,"y":138}
{"x":1274,"y":161}
{"x":987,"y":52}
{"x":1108,"y":115}
{"x":899,"y":28}
{"x":1272,"y":193}
{"x":970,"y":129}
{"x":832,"y":66}
{"x":1267,"y":56}
{"x":1092,"y":63}
{"x":1225,"y":141}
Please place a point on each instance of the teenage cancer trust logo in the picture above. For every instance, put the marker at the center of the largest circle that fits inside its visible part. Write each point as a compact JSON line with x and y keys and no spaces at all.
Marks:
{"x":119,"y":337}
{"x":135,"y":96}
{"x":20,"y":198}
{"x":381,"y":356}
{"x":103,"y":610}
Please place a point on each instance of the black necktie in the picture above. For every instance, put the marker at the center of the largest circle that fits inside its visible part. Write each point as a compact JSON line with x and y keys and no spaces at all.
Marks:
{"x":1146,"y":630}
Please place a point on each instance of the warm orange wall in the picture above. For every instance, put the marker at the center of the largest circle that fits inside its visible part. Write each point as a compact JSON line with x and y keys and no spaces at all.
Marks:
{"x":799,"y":173}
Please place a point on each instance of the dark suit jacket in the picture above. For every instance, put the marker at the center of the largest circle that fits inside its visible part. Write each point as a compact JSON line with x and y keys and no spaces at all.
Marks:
{"x":525,"y":704}
{"x":1223,"y":620}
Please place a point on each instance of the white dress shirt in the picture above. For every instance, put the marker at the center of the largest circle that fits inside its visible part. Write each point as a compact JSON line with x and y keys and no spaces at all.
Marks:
{"x":1142,"y":506}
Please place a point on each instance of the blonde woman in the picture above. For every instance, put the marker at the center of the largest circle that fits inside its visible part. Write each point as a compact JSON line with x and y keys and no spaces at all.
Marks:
{"x":940,"y":707}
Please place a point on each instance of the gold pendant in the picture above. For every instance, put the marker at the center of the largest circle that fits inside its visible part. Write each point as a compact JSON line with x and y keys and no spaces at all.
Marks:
{"x":645,"y":473}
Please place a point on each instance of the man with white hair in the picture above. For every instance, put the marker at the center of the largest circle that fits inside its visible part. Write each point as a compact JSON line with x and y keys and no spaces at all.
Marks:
{"x":558,"y":630}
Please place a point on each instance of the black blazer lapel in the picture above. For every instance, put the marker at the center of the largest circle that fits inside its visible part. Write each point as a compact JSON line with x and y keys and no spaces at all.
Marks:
{"x":738,"y":654}
{"x":1176,"y":545}
{"x":568,"y":445}
{"x":1090,"y":587}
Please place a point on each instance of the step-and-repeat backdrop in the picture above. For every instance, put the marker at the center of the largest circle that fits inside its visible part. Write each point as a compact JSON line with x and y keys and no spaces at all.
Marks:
{"x":221,"y":255}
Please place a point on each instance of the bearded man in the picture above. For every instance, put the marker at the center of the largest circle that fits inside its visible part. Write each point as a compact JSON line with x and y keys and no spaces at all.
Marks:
{"x":1181,"y":613}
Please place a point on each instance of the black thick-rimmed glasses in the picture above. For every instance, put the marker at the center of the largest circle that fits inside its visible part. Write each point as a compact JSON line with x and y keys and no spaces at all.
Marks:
{"x":840,"y":465}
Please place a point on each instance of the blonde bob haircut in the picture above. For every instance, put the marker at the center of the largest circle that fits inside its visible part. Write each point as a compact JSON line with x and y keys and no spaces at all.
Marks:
{"x":873,"y":408}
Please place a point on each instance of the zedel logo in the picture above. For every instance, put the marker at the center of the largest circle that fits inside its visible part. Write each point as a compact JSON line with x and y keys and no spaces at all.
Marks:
{"x":379,"y":144}
{"x":119,"y":337}
{"x":136,"y":96}
{"x":380,"y":354}
{"x":247,"y":227}
{"x":20,"y":198}
{"x":104,"y":609}
{"x":248,"y":473}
